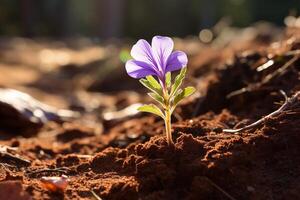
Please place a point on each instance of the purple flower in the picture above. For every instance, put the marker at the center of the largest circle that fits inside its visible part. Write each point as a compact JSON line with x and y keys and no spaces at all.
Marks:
{"x":157,"y":59}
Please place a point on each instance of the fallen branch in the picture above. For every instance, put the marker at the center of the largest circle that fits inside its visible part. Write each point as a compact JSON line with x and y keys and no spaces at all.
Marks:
{"x":254,"y":86}
{"x":288,"y":102}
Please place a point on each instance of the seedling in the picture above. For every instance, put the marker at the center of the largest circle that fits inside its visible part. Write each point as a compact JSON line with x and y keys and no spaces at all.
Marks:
{"x":159,"y":61}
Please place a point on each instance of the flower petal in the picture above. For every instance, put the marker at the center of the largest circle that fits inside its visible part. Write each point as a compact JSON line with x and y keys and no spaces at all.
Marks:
{"x":176,"y":61}
{"x":142,"y":51}
{"x":138,"y":69}
{"x":162,"y":48}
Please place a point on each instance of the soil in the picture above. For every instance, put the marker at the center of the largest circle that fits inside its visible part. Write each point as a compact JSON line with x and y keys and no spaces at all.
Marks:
{"x":128,"y":157}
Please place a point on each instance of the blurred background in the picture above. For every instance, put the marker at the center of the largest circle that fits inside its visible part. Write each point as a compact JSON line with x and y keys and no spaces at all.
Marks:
{"x":134,"y":18}
{"x":70,"y":54}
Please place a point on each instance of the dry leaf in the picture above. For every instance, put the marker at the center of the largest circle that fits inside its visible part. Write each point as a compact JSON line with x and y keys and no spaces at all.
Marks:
{"x":55,"y":183}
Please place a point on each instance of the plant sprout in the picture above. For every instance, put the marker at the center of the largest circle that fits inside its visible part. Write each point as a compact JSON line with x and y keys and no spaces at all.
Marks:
{"x":158,"y":60}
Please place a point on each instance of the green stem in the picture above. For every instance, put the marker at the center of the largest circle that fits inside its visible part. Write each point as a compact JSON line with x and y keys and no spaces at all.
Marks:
{"x":168,"y":116}
{"x":168,"y":125}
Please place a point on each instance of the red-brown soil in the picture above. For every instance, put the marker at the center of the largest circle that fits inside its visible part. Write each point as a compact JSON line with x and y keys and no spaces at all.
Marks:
{"x":129,"y":158}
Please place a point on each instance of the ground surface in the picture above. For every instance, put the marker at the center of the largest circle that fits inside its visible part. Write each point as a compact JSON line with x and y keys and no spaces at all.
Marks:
{"x":125,"y":156}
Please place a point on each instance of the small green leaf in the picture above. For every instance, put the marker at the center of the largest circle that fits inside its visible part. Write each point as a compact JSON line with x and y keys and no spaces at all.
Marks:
{"x":168,"y":79}
{"x":124,"y":55}
{"x":157,"y":98}
{"x":153,"y":82}
{"x":147,"y":84}
{"x":151,"y":108}
{"x":178,"y":81}
{"x":182,"y":94}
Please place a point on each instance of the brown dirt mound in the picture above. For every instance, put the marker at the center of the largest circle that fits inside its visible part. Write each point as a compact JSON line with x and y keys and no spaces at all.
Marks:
{"x":257,"y":165}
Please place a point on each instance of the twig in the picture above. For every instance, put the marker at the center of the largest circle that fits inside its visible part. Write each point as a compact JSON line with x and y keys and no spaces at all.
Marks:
{"x":219,"y":188}
{"x":280,"y":70}
{"x":95,"y":195}
{"x":61,"y":170}
{"x":5,"y":165}
{"x":220,"y":136}
{"x":269,"y":77}
{"x":7,"y":148}
{"x":288,"y":102}
{"x":19,"y":159}
{"x":293,"y":52}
